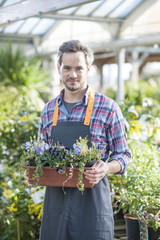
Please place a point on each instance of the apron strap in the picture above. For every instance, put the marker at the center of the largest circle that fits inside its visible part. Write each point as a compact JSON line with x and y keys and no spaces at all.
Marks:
{"x":55,"y":115}
{"x":88,"y":111}
{"x":89,"y":108}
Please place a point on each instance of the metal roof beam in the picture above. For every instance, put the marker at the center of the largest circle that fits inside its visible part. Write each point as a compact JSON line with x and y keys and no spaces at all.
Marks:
{"x":30,"y":8}
{"x":16,"y":38}
{"x":146,"y":40}
{"x":150,"y":50}
{"x":81,"y":18}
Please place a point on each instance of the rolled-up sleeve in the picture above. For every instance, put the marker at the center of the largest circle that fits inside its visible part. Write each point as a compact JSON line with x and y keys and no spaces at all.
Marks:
{"x":117,"y":141}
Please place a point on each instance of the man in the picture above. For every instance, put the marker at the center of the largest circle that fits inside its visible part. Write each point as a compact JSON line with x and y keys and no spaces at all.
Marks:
{"x":73,"y":216}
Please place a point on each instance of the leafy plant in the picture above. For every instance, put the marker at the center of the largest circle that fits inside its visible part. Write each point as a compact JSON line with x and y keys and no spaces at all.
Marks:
{"x":141,"y":186}
{"x":16,"y":125}
{"x":17,"y":222}
{"x":39,"y":153}
{"x":22,"y":76}
{"x":143,"y":89}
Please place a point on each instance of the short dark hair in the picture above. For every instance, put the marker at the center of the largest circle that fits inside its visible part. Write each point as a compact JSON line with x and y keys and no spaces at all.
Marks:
{"x":75,"y":46}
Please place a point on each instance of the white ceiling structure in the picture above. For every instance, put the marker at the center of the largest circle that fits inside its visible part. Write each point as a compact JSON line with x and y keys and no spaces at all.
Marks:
{"x":108,"y":26}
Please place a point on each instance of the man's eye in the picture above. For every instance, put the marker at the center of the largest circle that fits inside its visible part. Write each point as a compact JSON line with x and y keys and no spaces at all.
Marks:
{"x":79,"y":68}
{"x":66,"y":68}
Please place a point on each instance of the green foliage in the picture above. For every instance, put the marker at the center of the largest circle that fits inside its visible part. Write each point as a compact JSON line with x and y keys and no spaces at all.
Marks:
{"x":16,"y":126}
{"x":14,"y":207}
{"x":111,"y":93}
{"x":21,"y":76}
{"x":135,"y":93}
{"x":139,"y":188}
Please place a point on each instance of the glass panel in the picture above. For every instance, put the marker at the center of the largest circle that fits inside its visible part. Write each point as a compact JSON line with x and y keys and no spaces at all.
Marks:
{"x":13,"y":28}
{"x":106,"y":8}
{"x":67,"y":10}
{"x":10,"y":2}
{"x":125,"y":8}
{"x":43,"y":26}
{"x":86,"y":9}
{"x":29,"y":24}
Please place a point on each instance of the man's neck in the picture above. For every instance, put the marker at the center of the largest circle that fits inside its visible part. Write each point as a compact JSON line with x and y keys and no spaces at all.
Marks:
{"x":74,"y":96}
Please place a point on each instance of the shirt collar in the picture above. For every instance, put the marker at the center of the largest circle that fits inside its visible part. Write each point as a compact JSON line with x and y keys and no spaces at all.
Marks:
{"x":84,"y":98}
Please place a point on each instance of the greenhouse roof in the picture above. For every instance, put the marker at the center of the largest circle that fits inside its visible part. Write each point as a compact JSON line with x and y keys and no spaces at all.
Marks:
{"x":101,"y":23}
{"x":39,"y":20}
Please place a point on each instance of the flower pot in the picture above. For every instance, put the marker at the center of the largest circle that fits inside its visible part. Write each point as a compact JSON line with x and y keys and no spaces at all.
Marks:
{"x":132,"y":228}
{"x":152,"y":235}
{"x":52,"y":178}
{"x":133,"y":232}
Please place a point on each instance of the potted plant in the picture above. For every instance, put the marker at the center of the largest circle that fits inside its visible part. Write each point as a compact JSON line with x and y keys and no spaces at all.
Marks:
{"x":140,"y":194}
{"x":56,"y":165}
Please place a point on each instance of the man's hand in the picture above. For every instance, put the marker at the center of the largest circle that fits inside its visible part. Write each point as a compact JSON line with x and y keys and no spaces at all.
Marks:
{"x":100,"y":169}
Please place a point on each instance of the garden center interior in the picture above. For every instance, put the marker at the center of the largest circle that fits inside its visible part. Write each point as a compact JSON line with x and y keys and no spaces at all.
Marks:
{"x":125,"y":38}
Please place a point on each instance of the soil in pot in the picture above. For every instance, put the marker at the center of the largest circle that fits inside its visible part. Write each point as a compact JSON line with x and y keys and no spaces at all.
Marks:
{"x":90,"y":164}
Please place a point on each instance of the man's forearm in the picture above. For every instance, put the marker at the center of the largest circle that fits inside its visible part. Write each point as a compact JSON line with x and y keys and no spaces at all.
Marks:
{"x":113,"y":167}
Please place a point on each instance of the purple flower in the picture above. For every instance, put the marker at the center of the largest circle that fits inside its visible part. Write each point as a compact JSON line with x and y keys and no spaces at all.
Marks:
{"x":59,"y":170}
{"x":27,"y":145}
{"x":39,"y":150}
{"x":70,"y":153}
{"x":46,"y":146}
{"x":35,"y":144}
{"x":156,"y":217}
{"x":77,"y":150}
{"x":52,"y":150}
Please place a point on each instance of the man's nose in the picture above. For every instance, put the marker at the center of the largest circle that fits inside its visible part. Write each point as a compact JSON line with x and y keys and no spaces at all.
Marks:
{"x":73,"y":74}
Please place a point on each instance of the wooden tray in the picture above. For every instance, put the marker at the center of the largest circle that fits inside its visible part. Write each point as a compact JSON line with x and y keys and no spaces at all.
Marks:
{"x":52,"y":178}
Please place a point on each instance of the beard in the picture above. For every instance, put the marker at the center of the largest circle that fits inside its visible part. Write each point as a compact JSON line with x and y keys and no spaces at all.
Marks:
{"x":72,"y":86}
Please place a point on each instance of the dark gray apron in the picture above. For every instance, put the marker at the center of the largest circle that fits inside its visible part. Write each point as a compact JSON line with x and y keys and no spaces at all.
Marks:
{"x":73,"y":216}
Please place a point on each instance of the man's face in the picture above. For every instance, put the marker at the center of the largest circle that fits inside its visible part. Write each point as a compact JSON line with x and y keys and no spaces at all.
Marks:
{"x":73,"y":70}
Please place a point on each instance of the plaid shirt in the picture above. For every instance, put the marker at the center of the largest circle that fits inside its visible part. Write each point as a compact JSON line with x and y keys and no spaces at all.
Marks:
{"x":106,"y":125}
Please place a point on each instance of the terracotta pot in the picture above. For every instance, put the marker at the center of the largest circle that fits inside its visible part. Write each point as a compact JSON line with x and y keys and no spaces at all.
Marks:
{"x":52,"y":178}
{"x":133,"y":232}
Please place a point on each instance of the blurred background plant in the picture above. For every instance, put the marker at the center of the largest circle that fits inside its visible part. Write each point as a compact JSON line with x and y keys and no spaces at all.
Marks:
{"x":21,"y":76}
{"x":19,"y":214}
{"x":140,"y":186}
{"x":24,"y":87}
{"x":144,"y":90}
